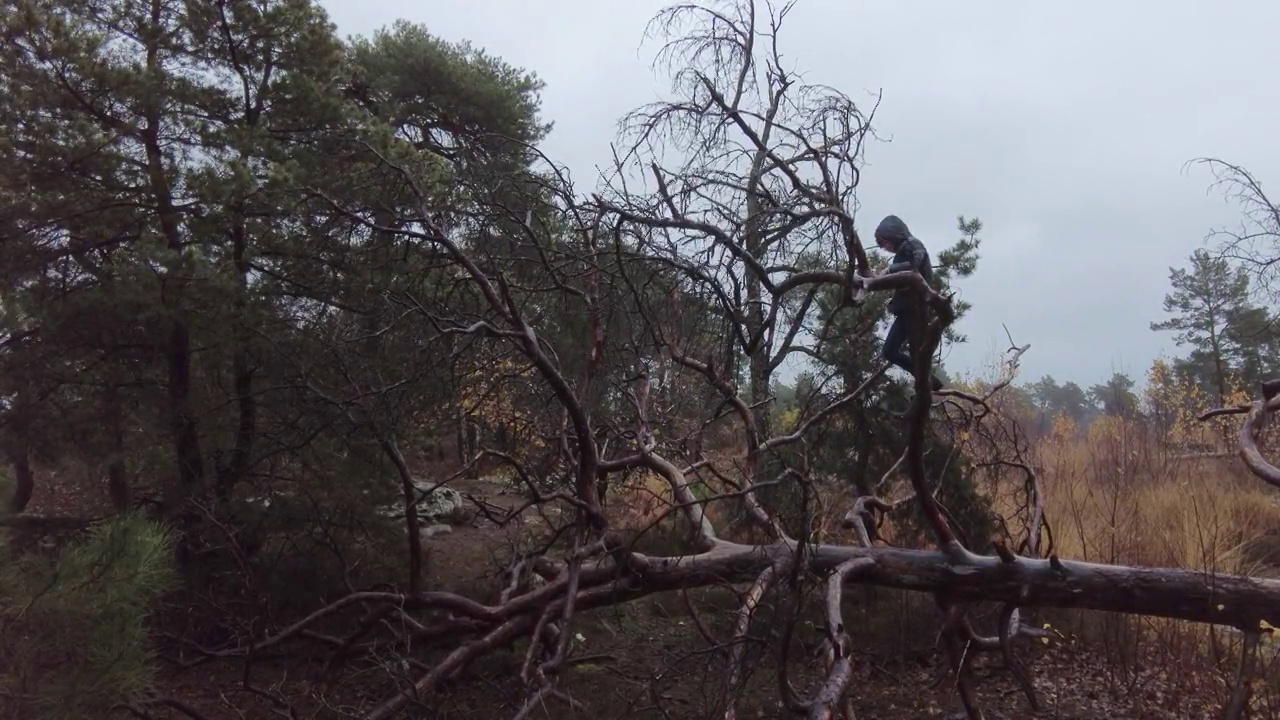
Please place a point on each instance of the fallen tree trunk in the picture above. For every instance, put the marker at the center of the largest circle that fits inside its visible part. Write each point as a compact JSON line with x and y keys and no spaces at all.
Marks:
{"x":1236,"y":601}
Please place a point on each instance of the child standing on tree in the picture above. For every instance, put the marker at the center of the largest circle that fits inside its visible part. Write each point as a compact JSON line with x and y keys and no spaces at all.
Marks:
{"x":892,"y":235}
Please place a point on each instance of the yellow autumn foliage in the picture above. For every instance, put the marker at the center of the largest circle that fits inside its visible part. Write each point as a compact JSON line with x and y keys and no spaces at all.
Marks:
{"x":500,"y":396}
{"x":788,"y":420}
{"x":1063,"y":430}
{"x":1174,"y":403}
{"x":1143,"y":490}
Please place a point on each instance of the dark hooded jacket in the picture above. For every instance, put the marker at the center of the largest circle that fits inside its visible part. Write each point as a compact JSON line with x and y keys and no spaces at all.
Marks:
{"x":909,"y":254}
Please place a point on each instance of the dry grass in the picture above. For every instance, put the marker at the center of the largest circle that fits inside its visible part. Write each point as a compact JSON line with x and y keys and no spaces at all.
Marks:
{"x":1114,"y":495}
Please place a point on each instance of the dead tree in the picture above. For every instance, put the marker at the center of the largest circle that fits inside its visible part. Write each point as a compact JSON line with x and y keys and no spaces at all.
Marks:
{"x":1255,"y":243}
{"x":745,"y":180}
{"x":598,"y":569}
{"x":751,"y":225}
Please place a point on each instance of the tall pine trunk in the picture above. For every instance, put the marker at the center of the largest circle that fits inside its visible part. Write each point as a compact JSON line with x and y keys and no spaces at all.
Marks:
{"x":18,"y":450}
{"x":23,"y":477}
{"x":241,"y":366}
{"x":117,"y":477}
{"x":183,"y":427}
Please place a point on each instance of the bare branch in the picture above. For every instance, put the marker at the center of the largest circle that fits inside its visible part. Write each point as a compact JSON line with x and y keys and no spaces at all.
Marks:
{"x":1256,"y":415}
{"x":1239,"y":699}
{"x":839,"y":654}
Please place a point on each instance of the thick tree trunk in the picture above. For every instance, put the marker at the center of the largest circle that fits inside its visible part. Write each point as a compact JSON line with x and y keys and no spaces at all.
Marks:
{"x":955,"y":575}
{"x":23,"y":478}
{"x":118,"y":484}
{"x":241,"y":363}
{"x":1193,"y":595}
{"x":183,"y":429}
{"x":758,"y":372}
{"x":18,"y":450}
{"x":117,"y":477}
{"x":468,"y":442}
{"x":1220,"y":373}
{"x":182,"y":423}
{"x":241,"y":369}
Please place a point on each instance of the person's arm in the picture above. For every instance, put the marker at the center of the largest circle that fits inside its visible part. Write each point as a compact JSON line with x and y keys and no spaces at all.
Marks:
{"x":915,"y":258}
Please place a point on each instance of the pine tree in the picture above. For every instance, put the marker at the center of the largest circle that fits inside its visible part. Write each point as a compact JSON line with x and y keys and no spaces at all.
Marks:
{"x":188,"y":242}
{"x":1208,"y":300}
{"x":1116,"y":396}
{"x":1054,"y":399}
{"x":82,"y":616}
{"x":868,"y":440}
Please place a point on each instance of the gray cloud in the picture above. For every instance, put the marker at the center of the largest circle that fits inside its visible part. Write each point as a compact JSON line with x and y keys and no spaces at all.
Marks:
{"x":1064,"y":126}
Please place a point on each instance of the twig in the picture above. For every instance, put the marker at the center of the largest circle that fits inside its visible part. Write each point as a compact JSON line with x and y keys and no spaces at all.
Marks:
{"x":1239,"y":699}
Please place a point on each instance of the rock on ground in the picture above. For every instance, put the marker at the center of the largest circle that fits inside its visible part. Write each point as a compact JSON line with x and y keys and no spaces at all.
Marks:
{"x":433,"y":530}
{"x":437,"y":505}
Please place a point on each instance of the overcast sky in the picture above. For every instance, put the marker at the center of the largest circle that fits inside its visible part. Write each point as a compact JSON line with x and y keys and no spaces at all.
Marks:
{"x":1064,"y":126}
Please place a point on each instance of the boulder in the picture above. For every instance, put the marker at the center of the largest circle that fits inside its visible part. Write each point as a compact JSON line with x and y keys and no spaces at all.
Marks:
{"x":442,"y":502}
{"x":438,"y":505}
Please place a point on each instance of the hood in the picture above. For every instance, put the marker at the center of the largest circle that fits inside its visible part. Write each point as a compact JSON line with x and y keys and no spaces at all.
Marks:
{"x":892,"y":228}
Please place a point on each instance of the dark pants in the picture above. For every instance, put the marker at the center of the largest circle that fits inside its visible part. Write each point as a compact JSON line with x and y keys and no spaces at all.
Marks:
{"x":899,"y":335}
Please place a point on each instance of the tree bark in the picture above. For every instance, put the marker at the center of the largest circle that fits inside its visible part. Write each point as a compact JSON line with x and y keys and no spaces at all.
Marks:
{"x":182,"y":422}
{"x":467,"y":443}
{"x":1220,"y":373}
{"x":1193,"y":595}
{"x":758,"y":358}
{"x":954,"y":574}
{"x":18,"y":450}
{"x":241,"y":368}
{"x":117,"y":477}
{"x":183,"y":428}
{"x":24,"y":480}
{"x":410,"y":493}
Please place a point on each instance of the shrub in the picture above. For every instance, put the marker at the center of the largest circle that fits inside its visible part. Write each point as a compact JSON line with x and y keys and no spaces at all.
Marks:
{"x":74,"y":623}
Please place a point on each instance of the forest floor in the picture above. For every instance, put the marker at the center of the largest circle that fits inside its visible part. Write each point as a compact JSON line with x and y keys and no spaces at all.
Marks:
{"x":649,"y":659}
